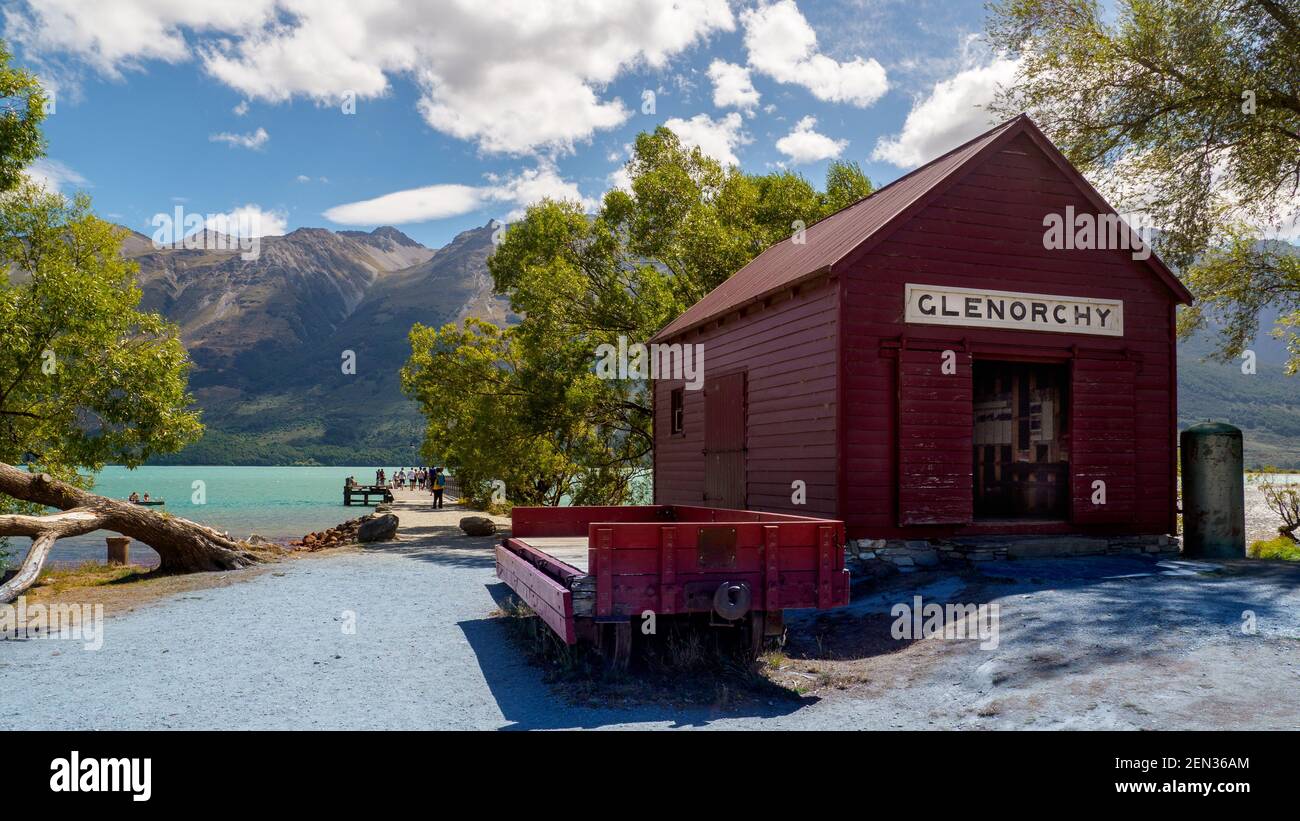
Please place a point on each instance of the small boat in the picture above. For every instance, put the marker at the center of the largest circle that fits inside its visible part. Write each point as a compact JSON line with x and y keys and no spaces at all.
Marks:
{"x":149,"y":503}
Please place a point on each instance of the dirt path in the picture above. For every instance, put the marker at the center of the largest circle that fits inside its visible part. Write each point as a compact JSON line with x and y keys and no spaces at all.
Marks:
{"x":399,"y":635}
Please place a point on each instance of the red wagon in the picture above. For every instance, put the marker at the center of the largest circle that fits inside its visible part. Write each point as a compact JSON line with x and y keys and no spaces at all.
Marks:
{"x":590,"y":572}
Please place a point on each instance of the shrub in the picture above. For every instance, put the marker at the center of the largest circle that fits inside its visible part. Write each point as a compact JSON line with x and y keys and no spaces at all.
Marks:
{"x":1279,"y":548}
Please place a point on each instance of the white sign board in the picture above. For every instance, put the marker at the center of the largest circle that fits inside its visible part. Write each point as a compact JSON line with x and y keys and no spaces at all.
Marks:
{"x":978,"y":308}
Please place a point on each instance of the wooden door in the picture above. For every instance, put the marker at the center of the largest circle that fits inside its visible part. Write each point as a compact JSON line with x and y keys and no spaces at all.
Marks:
{"x":935,"y":423}
{"x":724,"y":441}
{"x":1104,"y":446}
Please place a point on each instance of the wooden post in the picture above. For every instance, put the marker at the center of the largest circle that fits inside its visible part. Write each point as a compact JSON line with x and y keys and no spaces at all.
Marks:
{"x":604,"y":567}
{"x":668,"y":569}
{"x":119,"y":550}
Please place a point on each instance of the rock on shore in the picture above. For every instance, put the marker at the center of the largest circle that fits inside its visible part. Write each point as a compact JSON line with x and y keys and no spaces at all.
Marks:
{"x":478,"y":526}
{"x":375,"y":527}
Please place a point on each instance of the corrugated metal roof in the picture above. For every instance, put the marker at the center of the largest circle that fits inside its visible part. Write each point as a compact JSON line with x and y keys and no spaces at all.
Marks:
{"x":828,"y":240}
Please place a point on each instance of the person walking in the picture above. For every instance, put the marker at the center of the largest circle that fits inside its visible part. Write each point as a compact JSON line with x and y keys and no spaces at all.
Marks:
{"x":439,"y":483}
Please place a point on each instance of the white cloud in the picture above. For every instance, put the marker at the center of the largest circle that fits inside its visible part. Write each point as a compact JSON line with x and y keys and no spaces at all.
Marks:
{"x":54,"y":176}
{"x":533,"y":185}
{"x":803,"y":144}
{"x":253,"y":140}
{"x":241,"y":109}
{"x":717,"y":138}
{"x":783,"y":46}
{"x":513,"y":76}
{"x":732,"y":86}
{"x":434,"y":202}
{"x":249,"y":221}
{"x":621,"y":179}
{"x":125,"y":33}
{"x":952,"y":113}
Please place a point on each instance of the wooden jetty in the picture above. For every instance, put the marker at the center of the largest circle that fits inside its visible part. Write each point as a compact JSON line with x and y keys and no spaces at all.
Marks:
{"x":363,"y":493}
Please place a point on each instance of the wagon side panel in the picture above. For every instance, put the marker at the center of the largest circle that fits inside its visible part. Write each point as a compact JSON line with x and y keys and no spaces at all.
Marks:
{"x":676,"y":568}
{"x":552,"y":602}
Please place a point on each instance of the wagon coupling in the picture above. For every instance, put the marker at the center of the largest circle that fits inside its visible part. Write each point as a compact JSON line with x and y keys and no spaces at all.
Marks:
{"x":732,"y":599}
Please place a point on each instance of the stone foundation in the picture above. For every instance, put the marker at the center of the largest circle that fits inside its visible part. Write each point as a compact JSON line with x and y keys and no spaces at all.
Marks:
{"x":885,"y":556}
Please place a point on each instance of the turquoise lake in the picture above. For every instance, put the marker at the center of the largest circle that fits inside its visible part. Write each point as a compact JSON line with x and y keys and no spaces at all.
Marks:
{"x":279,"y":503}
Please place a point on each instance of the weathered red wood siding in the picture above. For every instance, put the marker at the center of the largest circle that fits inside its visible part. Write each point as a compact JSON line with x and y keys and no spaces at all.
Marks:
{"x":986,"y":231}
{"x":1103,"y":419}
{"x":935,"y":427}
{"x":789,"y":353}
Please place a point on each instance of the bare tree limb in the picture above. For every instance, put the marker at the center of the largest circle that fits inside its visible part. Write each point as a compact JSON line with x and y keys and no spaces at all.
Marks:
{"x":45,"y":531}
{"x":183,"y":546}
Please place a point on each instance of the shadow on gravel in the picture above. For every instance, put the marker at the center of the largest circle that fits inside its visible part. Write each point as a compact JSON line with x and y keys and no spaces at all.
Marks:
{"x":1059,"y":617}
{"x":447,"y":546}
{"x":548,"y":691}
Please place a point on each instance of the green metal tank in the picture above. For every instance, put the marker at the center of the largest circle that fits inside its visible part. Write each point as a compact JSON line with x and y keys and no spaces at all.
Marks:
{"x":1214,"y":492}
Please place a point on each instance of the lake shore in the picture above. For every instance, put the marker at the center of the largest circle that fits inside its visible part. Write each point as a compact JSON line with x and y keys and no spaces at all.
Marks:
{"x":420,"y":527}
{"x":277,"y":503}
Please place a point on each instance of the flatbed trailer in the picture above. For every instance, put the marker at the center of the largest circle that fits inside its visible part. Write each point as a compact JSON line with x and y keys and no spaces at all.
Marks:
{"x":590,"y":572}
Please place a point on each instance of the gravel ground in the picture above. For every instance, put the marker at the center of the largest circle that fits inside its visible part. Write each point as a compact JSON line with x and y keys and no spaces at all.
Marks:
{"x":1083,"y":643}
{"x":1261,"y":522}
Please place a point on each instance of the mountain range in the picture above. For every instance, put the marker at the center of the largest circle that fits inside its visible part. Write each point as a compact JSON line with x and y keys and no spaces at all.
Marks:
{"x":268,"y":337}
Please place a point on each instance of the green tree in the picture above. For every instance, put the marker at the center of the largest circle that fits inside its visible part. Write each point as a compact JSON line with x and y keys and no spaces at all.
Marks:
{"x":1189,"y":111}
{"x":525,"y":405}
{"x":85,"y":377}
{"x":22,"y":109}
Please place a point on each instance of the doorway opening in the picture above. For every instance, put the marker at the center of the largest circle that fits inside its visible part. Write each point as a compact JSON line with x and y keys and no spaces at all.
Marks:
{"x":1021,"y":440}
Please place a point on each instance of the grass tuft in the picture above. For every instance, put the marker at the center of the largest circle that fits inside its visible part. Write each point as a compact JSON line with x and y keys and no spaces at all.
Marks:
{"x":1277,"y":548}
{"x":55,"y":580}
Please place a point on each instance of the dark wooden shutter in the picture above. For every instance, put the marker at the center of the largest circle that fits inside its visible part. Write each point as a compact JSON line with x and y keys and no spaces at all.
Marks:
{"x":1102,"y":437}
{"x":724,"y":441}
{"x":935,"y":425}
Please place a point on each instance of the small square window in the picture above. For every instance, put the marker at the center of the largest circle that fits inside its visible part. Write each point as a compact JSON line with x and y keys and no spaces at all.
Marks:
{"x":679,"y":410}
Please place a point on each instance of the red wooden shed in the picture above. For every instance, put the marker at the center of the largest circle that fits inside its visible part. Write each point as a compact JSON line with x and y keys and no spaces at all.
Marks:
{"x":928,"y":363}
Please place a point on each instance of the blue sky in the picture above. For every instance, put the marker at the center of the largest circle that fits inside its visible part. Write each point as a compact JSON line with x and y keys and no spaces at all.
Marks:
{"x":466,"y":112}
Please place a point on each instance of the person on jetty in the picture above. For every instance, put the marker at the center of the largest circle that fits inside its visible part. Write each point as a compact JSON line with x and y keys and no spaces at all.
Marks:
{"x":379,"y":477}
{"x":134,"y":497}
{"x":439,"y":484}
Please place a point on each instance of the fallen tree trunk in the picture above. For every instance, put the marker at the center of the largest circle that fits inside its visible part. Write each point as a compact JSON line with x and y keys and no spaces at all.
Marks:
{"x":183,"y":546}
